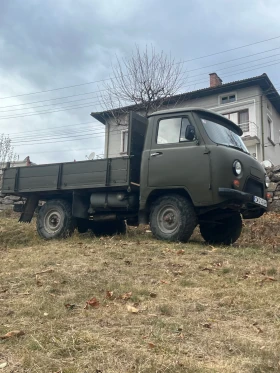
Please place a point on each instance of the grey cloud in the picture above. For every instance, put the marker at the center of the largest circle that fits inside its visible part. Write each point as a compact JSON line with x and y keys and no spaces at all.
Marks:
{"x":49,"y":44}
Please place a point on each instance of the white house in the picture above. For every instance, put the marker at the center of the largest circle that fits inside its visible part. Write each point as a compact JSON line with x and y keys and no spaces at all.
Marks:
{"x":253,"y":104}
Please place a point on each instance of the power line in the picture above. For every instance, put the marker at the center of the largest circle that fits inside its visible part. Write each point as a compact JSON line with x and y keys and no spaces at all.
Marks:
{"x":87,"y":99}
{"x":230,"y":50}
{"x":118,"y":132}
{"x":240,"y":64}
{"x":66,"y":151}
{"x":102,"y":80}
{"x":87,"y":93}
{"x":50,"y":137}
{"x":50,"y":128}
{"x":58,"y":132}
{"x":84,"y":106}
{"x":81,"y":136}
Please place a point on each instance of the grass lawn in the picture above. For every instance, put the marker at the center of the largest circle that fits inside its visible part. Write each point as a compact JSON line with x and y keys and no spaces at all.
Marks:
{"x":159,"y":307}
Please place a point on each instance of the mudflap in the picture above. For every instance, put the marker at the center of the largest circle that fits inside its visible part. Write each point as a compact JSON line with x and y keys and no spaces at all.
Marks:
{"x":29,"y":209}
{"x":253,"y":214}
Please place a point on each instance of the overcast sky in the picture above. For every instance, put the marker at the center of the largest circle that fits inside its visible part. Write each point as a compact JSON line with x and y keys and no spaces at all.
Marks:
{"x":50,"y":44}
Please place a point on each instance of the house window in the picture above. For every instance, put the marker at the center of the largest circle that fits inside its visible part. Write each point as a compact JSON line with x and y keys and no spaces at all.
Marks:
{"x":227,"y":99}
{"x":124,"y":141}
{"x":172,"y":130}
{"x":243,"y":120}
{"x":240,"y":118}
{"x":270,"y":129}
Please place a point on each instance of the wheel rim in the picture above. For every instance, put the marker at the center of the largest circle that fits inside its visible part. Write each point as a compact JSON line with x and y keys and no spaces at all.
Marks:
{"x":168,"y":219}
{"x":53,"y":221}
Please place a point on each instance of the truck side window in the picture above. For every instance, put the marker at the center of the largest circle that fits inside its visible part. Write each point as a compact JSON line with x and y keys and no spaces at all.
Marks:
{"x":172,"y":130}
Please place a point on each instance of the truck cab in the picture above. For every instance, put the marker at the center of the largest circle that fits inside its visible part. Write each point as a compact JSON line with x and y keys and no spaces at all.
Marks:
{"x":199,"y":155}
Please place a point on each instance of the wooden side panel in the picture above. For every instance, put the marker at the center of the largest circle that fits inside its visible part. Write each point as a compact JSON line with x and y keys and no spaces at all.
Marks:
{"x":87,"y":174}
{"x":65,"y":176}
{"x":38,"y":178}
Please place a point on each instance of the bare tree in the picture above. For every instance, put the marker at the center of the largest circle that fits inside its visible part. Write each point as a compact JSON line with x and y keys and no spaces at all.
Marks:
{"x":146,"y":79}
{"x":7,"y":153}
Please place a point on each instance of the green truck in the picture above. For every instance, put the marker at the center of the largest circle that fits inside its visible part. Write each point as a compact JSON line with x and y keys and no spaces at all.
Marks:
{"x":184,"y":167}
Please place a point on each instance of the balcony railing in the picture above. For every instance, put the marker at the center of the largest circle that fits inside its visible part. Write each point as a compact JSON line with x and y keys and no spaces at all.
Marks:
{"x":249,"y":129}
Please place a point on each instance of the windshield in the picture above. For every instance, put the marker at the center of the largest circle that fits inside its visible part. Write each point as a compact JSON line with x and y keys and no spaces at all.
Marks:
{"x":222,"y":135}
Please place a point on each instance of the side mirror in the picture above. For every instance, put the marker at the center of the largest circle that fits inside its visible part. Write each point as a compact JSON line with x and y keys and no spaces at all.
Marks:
{"x":190,"y":133}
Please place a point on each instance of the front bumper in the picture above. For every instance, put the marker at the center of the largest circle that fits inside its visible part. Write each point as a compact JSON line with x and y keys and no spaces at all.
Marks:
{"x":237,"y":195}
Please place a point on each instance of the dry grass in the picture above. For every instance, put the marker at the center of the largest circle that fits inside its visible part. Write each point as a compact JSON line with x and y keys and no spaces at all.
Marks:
{"x":201,"y":308}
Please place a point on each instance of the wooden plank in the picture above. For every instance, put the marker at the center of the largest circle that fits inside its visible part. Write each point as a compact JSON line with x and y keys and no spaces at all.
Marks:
{"x":38,"y":183}
{"x":83,"y":180}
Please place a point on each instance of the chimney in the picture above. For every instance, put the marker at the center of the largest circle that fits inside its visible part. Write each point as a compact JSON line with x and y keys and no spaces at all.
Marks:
{"x":215,"y":80}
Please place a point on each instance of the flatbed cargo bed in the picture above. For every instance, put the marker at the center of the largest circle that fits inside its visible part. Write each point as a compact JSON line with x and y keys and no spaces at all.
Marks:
{"x":101,"y":173}
{"x":122,"y":172}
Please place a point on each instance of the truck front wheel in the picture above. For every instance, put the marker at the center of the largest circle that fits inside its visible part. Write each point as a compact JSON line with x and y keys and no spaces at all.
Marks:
{"x":173,"y":218}
{"x":226,"y":231}
{"x":55,"y":220}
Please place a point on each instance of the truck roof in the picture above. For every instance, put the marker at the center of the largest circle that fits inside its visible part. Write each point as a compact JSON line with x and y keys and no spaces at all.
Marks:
{"x":237,"y":129}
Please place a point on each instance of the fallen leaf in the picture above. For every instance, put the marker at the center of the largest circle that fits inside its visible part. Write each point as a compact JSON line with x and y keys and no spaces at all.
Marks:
{"x":269,"y":279}
{"x":151,"y":345}
{"x":45,"y":271}
{"x":93,"y":302}
{"x":153,"y":295}
{"x":126,"y":296}
{"x":164,"y":282}
{"x":180,"y":252}
{"x":109,"y":294}
{"x":132,"y":309}
{"x":13,"y":333}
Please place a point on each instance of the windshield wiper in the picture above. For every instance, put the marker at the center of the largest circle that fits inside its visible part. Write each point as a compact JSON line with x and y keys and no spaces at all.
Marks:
{"x":235,"y":147}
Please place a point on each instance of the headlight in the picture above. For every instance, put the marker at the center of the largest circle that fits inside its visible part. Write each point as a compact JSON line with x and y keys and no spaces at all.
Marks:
{"x":267,"y":181}
{"x":237,"y":168}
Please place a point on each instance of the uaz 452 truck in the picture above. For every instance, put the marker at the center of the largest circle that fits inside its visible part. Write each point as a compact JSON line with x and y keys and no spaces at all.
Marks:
{"x":184,"y":167}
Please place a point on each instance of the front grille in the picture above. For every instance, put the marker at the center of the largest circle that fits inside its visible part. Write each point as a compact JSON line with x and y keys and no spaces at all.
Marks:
{"x":254,"y":187}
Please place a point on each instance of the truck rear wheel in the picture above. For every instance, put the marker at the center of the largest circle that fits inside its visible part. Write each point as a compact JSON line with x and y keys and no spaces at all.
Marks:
{"x":173,"y":218}
{"x":55,"y":220}
{"x":226,"y":231}
{"x":108,"y":228}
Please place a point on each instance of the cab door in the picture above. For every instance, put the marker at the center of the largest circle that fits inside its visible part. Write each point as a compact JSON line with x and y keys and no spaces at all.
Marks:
{"x":179,"y":162}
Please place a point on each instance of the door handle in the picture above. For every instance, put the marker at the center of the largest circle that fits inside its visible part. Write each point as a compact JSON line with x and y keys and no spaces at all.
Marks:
{"x":155,"y":154}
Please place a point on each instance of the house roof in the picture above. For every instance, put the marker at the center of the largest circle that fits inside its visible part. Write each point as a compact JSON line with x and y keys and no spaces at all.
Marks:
{"x":262,"y":81}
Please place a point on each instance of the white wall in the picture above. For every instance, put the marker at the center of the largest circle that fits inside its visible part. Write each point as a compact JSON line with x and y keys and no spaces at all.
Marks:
{"x":271,"y":151}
